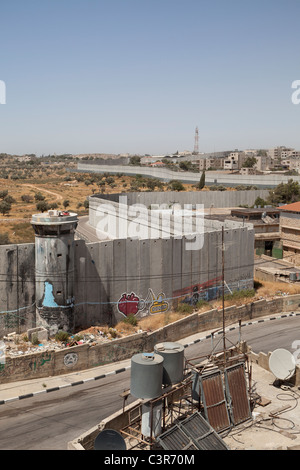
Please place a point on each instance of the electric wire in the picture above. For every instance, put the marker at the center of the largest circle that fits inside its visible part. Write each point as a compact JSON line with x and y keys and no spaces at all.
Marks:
{"x":202,"y":291}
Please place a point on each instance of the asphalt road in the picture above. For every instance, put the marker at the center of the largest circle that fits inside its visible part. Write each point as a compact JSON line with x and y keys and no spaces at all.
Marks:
{"x":50,"y":422}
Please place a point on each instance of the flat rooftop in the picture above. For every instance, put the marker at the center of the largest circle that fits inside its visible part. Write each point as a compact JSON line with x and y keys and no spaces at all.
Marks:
{"x":54,"y":217}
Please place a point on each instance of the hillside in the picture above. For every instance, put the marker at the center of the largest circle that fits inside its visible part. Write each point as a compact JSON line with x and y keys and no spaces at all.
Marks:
{"x":27,"y":181}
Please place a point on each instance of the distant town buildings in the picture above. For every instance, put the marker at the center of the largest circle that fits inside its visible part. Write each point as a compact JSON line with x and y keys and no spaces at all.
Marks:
{"x":266,"y":225}
{"x":263,"y":163}
{"x":249,"y":161}
{"x":246,"y":162}
{"x":290,"y":230}
{"x":279,"y":153}
{"x":234,"y":161}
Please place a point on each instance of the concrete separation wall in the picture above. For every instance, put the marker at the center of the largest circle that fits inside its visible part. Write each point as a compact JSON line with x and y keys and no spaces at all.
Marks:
{"x":209,"y":199}
{"x":117,"y":277}
{"x":211,"y":177}
{"x":17,"y":289}
{"x":85,"y":356}
{"x":158,"y":273}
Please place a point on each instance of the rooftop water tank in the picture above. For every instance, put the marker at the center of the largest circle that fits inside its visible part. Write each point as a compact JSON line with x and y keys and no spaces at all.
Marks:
{"x":173,"y":365}
{"x":146,"y":375}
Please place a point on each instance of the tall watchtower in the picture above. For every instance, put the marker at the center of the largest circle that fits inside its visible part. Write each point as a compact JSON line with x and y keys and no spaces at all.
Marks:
{"x":54,"y":269}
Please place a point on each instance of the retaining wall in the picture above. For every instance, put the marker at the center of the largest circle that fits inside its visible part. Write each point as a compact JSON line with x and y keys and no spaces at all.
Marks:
{"x":84,"y":356}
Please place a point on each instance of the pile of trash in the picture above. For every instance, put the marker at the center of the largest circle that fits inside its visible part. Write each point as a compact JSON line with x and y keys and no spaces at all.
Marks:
{"x":16,"y":344}
{"x":38,"y":339}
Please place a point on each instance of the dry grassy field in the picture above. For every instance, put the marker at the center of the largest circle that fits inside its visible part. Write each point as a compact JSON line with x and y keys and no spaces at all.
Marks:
{"x":23,"y":180}
{"x":55,"y":190}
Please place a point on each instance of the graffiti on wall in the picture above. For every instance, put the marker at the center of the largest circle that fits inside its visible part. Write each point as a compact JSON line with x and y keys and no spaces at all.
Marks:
{"x":132,"y":304}
{"x":40,"y":361}
{"x":70,"y":359}
{"x":158,"y":304}
{"x":193,"y":294}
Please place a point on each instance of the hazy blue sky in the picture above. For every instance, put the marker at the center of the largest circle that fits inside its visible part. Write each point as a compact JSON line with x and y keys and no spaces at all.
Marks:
{"x":138,"y":76}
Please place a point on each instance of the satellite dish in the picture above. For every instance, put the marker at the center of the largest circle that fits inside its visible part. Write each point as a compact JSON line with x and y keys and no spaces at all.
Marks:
{"x":109,"y":439}
{"x":282,"y":364}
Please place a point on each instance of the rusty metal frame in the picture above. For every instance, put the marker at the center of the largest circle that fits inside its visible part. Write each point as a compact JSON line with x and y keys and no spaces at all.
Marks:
{"x":176,"y":439}
{"x":214,"y":401}
{"x":183,"y":390}
{"x":193,"y":433}
{"x":237,"y":394}
{"x":202,"y":433}
{"x":180,"y":391}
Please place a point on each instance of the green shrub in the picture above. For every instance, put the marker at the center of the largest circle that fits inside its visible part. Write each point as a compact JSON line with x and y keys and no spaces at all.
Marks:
{"x":176,"y":185}
{"x":78,"y":337}
{"x":113,"y":332}
{"x":62,"y":336}
{"x":240,"y":294}
{"x":201,"y":303}
{"x":184,"y":308}
{"x":4,"y":239}
{"x":35,"y":340}
{"x":131,"y":319}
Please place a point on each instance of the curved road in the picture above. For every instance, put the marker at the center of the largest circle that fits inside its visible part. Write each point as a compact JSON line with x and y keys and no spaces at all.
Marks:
{"x":49,"y":423}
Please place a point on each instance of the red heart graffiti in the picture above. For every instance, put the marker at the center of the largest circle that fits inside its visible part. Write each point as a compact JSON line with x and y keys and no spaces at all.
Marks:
{"x":129,"y":304}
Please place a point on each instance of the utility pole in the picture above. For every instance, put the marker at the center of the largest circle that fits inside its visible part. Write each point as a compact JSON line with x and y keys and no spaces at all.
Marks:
{"x":223,"y":293}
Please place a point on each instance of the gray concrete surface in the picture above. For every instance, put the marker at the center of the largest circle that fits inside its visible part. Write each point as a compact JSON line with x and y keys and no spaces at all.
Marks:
{"x":275,"y":424}
{"x":209,"y":199}
{"x":212,"y":177}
